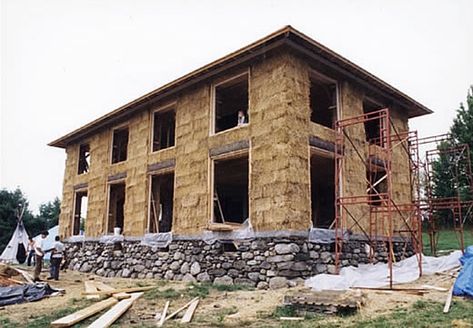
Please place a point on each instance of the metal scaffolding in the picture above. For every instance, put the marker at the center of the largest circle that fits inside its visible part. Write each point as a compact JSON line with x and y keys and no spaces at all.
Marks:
{"x":389,"y":221}
{"x":450,"y":162}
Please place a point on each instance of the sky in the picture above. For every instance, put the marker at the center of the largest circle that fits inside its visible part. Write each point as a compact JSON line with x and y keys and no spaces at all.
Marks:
{"x":66,"y":62}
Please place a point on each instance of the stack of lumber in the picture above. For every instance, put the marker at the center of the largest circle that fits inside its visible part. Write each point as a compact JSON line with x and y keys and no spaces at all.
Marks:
{"x":119,"y":300}
{"x":328,"y":302}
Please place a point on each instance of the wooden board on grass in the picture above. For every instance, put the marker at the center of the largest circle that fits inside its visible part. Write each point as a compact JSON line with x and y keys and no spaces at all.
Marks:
{"x":119,"y":290}
{"x":90,"y":287}
{"x":109,"y":317}
{"x":80,"y":315}
{"x":190,"y":312}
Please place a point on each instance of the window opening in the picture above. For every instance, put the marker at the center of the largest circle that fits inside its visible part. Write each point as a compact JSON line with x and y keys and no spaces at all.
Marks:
{"x":84,"y":158}
{"x":161,"y":203}
{"x":230,"y":199}
{"x":164,"y":125}
{"x":116,"y":208}
{"x":231,"y":104}
{"x":372,"y":127}
{"x":80,"y":213}
{"x":323,"y":101}
{"x":120,"y":145}
{"x":322,"y":180}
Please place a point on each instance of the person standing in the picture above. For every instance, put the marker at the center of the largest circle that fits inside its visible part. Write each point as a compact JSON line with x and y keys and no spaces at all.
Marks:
{"x":39,"y":249}
{"x":31,"y":251}
{"x":56,"y":259}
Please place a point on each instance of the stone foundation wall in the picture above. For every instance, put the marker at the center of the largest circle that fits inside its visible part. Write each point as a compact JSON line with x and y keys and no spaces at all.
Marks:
{"x":261,"y":262}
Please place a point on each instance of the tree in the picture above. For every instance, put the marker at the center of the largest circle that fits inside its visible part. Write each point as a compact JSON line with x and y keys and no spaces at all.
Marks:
{"x":448,"y":165}
{"x":49,"y":213}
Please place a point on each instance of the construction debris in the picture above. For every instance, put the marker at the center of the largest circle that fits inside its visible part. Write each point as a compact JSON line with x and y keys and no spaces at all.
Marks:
{"x":78,"y":316}
{"x":190,"y":312}
{"x":448,"y":301}
{"x":187,"y":316}
{"x":162,"y":316}
{"x":291,"y":318}
{"x":119,"y":290}
{"x":120,"y":300}
{"x":328,"y":302}
{"x":109,"y":317}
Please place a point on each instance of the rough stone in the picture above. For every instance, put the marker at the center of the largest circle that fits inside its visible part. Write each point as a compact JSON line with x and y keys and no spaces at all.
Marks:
{"x":126,"y":273}
{"x":203,"y":277}
{"x":278,"y":282}
{"x":188,"y":278}
{"x":225,"y":280}
{"x":195,"y":268}
{"x":280,"y":258}
{"x":286,"y":248}
{"x":185,"y":268}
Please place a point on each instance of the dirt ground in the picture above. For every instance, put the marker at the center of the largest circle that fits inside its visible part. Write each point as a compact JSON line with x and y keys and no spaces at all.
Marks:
{"x":252,"y":308}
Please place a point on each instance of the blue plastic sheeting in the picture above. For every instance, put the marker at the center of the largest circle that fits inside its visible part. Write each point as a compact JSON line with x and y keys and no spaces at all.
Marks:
{"x":464,"y":284}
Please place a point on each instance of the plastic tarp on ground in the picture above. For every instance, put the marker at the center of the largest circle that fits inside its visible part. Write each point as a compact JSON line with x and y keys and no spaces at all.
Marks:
{"x":377,"y":275}
{"x":464,"y":283}
{"x":48,"y":243}
{"x":25,"y":293}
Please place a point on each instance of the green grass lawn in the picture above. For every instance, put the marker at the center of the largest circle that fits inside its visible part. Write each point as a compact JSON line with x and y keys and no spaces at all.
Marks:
{"x":447,"y":240}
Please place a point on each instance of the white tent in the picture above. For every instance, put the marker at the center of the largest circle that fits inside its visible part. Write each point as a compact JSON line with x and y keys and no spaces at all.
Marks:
{"x":20,"y":236}
{"x":49,"y":241}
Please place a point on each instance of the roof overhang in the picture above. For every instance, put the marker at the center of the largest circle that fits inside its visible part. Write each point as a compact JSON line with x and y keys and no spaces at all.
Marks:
{"x":285,"y":37}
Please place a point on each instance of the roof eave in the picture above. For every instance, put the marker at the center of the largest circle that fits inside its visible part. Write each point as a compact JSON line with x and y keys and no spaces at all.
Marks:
{"x":285,"y":36}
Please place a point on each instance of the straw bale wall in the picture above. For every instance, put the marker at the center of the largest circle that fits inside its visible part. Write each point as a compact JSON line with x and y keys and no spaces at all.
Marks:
{"x":278,"y":135}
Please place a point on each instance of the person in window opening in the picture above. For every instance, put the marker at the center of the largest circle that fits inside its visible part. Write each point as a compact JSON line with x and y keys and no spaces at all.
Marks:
{"x":56,"y":258}
{"x":31,"y":252}
{"x":39,"y":249}
{"x":242,"y":118}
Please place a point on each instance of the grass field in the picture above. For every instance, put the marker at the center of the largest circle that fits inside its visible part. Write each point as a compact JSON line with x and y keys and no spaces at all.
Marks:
{"x":447,"y":240}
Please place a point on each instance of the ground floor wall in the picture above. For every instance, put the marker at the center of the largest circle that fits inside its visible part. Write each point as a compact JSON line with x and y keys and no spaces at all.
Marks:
{"x":259,"y":262}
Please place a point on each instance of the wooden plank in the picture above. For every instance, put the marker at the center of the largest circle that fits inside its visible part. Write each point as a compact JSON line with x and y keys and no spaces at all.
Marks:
{"x":90,"y":287}
{"x":232,"y":147}
{"x":163,"y":315}
{"x":190,"y":312}
{"x":121,"y":296}
{"x":109,"y":317}
{"x":291,"y":318}
{"x":119,"y":290}
{"x":101,"y":286}
{"x":170,"y":163}
{"x":448,"y":301}
{"x":440,"y":289}
{"x":80,"y":315}
{"x":172,"y":315}
{"x":26,"y":275}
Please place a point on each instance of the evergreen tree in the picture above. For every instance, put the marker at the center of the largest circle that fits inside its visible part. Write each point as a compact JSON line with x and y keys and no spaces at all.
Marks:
{"x":49,"y":213}
{"x":448,"y":165}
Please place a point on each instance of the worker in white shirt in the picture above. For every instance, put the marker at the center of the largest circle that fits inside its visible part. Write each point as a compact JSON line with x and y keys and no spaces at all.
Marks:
{"x":56,"y":258}
{"x":39,"y":249}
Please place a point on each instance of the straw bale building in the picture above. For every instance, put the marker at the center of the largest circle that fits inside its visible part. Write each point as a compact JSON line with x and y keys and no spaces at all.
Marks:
{"x":221,"y":174}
